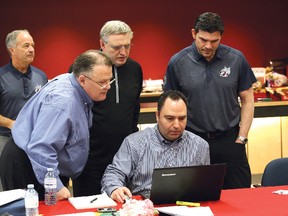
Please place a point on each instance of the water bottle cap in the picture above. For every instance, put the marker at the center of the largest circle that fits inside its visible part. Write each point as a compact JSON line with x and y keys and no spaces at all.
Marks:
{"x":30,"y":186}
{"x":49,"y":169}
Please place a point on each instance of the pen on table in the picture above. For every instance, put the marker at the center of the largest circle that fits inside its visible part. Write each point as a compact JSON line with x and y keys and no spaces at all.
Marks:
{"x":182,"y":203}
{"x":93,"y":200}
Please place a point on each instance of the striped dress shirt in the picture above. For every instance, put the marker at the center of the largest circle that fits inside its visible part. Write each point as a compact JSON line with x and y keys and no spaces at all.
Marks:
{"x":141,"y":152}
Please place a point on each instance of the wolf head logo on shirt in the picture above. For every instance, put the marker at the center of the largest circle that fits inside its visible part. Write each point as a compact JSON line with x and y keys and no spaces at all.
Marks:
{"x":37,"y":88}
{"x":225,"y":72}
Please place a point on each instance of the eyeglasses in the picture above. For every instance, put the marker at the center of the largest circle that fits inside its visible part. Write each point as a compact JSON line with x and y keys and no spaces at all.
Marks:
{"x":102,"y":85}
{"x":118,"y":48}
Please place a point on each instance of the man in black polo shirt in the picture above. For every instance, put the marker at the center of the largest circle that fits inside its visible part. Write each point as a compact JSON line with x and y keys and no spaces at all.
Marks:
{"x":19,"y":81}
{"x":213,"y":76}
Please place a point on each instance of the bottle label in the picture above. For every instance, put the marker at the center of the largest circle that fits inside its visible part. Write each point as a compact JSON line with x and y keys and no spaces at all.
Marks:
{"x":50,"y":183}
{"x":31,"y":202}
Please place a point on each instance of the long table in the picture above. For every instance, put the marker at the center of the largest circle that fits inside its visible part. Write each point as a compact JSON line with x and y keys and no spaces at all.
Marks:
{"x":251,"y":202}
{"x":237,"y":202}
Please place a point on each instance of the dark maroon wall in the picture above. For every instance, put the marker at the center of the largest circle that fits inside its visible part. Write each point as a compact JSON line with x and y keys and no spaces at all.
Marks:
{"x":62,"y":29}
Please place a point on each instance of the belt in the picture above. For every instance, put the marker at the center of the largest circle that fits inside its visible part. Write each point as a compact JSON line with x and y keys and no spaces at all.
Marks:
{"x":5,"y":134}
{"x":213,"y":135}
{"x":209,"y":135}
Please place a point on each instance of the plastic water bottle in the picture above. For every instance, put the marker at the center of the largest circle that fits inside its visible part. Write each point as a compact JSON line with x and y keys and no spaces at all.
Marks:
{"x":31,"y":201}
{"x":50,"y":185}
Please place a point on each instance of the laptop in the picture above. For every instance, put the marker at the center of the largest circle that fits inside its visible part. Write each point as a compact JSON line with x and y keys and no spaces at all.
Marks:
{"x":192,"y":183}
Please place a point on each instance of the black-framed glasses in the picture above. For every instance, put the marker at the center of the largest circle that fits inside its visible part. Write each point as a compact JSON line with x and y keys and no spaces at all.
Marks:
{"x":118,"y":48}
{"x":102,"y":85}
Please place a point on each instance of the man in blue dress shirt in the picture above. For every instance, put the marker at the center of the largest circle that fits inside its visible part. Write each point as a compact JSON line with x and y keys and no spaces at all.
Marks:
{"x":52,"y":129}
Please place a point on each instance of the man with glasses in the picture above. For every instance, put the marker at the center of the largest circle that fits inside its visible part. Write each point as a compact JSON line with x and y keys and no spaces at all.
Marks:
{"x":117,"y":116}
{"x":52,"y":129}
{"x":103,"y":85}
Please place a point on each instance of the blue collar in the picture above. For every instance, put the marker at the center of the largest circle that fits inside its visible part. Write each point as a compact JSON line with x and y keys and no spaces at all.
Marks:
{"x":84,"y":96}
{"x":219,"y":53}
{"x":19,"y":74}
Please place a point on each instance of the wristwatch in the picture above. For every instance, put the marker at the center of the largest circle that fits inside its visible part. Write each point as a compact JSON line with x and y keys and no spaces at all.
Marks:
{"x":244,"y":140}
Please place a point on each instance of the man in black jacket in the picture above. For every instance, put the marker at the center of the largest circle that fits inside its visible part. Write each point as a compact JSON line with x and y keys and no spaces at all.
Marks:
{"x":117,"y":116}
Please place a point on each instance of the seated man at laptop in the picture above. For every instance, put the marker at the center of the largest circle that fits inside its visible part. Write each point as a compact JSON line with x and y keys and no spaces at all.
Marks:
{"x":167,"y":144}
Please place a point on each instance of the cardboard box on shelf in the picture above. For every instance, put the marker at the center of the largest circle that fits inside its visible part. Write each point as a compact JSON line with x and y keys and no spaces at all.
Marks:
{"x":260,"y":73}
{"x":152,"y":85}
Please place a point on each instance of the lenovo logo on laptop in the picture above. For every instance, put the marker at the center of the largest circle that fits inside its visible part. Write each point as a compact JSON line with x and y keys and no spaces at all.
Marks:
{"x":169,"y":174}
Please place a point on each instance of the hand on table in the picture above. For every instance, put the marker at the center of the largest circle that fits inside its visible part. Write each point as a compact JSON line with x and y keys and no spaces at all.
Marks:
{"x":120,"y":194}
{"x":63,"y":193}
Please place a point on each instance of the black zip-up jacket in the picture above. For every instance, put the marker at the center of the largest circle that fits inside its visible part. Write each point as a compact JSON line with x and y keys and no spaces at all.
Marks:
{"x":116,"y":116}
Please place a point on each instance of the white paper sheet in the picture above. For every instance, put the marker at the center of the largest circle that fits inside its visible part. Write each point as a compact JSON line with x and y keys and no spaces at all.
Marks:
{"x":84,"y":202}
{"x":281,"y":192}
{"x":11,"y":195}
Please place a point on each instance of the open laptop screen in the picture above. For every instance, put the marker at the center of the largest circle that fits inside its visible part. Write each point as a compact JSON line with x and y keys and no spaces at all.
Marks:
{"x":192,"y":183}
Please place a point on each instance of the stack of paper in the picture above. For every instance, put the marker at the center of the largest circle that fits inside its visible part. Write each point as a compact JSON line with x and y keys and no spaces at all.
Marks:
{"x":11,"y":195}
{"x":94,"y":201}
{"x":186,"y":211}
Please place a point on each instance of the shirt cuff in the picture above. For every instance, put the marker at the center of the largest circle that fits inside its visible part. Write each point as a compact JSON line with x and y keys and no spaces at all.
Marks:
{"x":59,"y":184}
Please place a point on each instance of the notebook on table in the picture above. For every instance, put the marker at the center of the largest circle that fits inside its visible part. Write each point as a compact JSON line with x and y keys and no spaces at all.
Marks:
{"x":192,"y":183}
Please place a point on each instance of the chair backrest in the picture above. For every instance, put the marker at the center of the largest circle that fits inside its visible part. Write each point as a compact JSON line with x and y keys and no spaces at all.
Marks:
{"x":276,"y":173}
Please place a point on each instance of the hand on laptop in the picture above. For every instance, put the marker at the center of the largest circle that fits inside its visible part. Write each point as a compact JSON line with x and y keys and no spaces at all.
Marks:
{"x":120,"y":194}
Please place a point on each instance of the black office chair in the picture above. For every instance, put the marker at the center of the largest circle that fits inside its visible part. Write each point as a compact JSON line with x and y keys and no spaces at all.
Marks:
{"x":275,"y":173}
